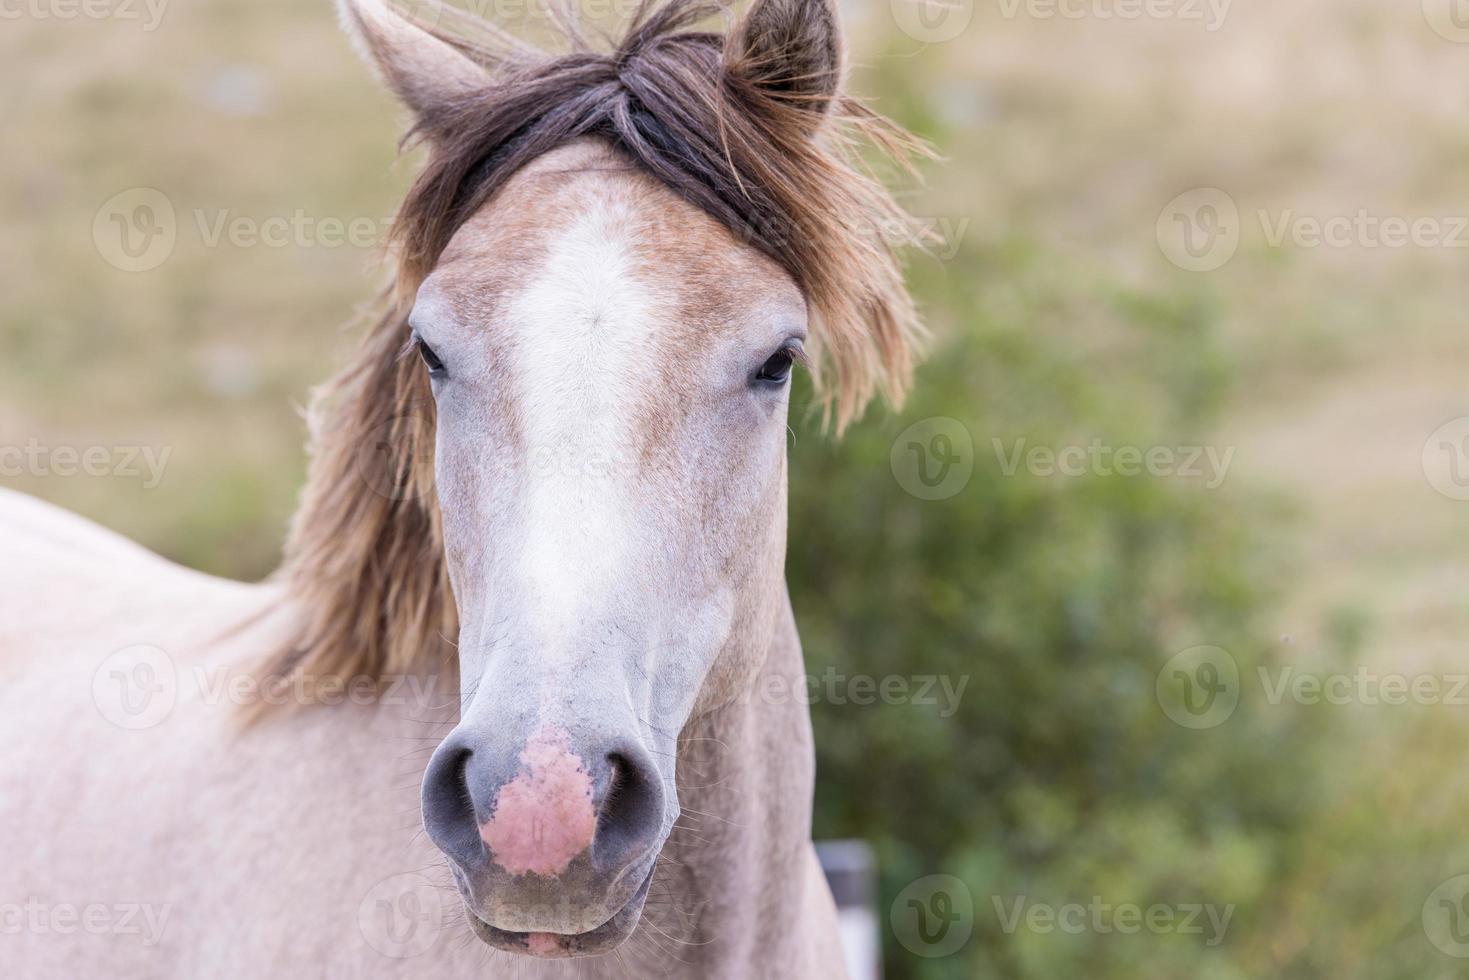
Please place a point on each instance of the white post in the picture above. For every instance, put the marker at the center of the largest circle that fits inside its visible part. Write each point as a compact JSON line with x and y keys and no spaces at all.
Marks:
{"x":851,"y":871}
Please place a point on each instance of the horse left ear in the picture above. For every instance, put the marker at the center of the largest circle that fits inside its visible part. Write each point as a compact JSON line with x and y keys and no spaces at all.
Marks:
{"x":791,"y":50}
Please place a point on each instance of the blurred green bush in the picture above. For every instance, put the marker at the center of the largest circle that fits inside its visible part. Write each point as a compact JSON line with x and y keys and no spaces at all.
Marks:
{"x":1059,"y":777}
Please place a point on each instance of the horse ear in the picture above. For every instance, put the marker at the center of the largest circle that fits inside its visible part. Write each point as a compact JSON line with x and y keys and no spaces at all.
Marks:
{"x":791,"y":50}
{"x":423,"y":69}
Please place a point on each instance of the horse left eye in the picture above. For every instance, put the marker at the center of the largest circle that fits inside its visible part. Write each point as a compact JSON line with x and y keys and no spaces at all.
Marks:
{"x":777,"y":370}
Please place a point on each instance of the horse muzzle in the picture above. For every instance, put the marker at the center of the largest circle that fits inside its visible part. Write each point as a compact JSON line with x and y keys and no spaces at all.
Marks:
{"x":552,"y":841}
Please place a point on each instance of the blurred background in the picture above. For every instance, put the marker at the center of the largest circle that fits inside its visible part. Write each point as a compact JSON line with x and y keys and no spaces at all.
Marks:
{"x":1175,"y":520}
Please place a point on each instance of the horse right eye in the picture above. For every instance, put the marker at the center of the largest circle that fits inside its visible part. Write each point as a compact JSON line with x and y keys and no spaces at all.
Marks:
{"x":431,"y":361}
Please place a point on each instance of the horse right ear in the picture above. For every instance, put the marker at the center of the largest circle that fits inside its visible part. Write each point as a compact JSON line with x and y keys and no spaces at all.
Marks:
{"x":424,"y":69}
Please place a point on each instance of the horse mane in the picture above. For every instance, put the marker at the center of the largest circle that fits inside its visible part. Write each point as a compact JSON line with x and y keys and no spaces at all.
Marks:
{"x":775,"y":160}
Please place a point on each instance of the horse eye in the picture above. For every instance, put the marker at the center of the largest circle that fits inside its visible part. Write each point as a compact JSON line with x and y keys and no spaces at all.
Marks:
{"x":431,"y":360}
{"x":777,"y":370}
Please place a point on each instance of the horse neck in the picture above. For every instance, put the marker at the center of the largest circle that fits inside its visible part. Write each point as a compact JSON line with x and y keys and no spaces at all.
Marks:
{"x":731,"y":889}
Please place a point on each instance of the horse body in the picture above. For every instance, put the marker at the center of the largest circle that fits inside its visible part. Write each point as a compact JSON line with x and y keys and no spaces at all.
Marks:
{"x":224,"y":851}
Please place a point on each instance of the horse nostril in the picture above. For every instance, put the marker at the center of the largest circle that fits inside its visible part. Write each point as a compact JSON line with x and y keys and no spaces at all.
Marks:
{"x":630,"y":816}
{"x":618,"y":785}
{"x":448,"y":808}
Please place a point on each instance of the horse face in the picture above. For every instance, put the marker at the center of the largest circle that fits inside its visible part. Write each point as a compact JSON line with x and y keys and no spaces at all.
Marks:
{"x":610,"y":370}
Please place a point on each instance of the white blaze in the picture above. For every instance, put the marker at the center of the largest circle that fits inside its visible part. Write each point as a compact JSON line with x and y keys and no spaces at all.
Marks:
{"x":584,"y":337}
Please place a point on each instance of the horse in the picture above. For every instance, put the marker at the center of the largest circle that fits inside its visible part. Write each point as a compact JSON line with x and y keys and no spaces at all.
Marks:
{"x":525,"y":697}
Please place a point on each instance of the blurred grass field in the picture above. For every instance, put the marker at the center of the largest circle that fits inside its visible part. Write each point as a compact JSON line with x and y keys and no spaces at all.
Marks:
{"x":1059,"y":319}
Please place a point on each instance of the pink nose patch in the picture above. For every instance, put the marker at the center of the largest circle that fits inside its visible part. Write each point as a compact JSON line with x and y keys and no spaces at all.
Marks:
{"x":544,"y":816}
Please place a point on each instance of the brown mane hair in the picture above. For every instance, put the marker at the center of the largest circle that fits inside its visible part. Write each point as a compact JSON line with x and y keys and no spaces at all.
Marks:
{"x":718,"y":119}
